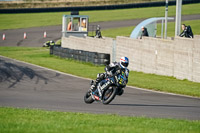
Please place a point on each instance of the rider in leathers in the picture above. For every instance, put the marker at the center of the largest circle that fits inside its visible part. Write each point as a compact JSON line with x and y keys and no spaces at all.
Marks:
{"x":111,"y":70}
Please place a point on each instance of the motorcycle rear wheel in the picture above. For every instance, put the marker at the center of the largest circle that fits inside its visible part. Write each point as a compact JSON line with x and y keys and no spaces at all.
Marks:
{"x":88,"y":98}
{"x":109,"y":95}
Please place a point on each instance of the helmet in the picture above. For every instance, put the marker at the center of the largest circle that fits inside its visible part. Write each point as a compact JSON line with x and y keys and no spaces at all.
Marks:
{"x":124,"y":62}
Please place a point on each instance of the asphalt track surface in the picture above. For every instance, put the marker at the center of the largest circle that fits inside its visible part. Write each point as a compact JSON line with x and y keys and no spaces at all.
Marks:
{"x":28,"y":86}
{"x":35,"y":35}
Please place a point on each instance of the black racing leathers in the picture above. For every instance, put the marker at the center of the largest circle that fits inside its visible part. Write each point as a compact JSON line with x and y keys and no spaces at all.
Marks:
{"x":110,"y":71}
{"x":144,"y":33}
{"x":187,"y":32}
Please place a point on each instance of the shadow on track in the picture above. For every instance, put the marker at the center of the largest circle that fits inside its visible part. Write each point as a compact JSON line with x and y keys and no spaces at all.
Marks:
{"x":13,"y":73}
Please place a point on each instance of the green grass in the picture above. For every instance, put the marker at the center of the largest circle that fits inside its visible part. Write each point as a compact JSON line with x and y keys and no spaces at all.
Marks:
{"x":126,"y":31}
{"x":114,"y":32}
{"x":40,"y":56}
{"x":39,"y":121}
{"x":195,"y":25}
{"x":25,"y":20}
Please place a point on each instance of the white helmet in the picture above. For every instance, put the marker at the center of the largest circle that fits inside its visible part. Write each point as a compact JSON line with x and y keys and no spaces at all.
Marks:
{"x":124,"y":62}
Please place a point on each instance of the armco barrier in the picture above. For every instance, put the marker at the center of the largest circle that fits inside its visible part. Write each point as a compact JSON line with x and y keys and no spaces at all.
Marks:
{"x":85,"y":56}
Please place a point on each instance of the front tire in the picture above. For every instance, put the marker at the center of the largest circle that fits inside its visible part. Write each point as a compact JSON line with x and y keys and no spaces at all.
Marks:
{"x":88,"y":98}
{"x":109,"y":95}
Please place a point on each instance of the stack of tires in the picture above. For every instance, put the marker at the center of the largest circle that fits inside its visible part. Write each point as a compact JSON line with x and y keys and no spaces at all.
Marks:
{"x":85,"y":56}
{"x":56,"y":50}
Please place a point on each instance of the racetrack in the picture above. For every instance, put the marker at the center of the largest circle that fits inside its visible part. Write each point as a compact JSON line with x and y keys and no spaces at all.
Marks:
{"x":35,"y":35}
{"x":29,"y":86}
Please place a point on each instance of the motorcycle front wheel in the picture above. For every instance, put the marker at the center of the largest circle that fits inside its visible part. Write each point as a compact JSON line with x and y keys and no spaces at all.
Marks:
{"x":88,"y":98}
{"x":109,"y":95}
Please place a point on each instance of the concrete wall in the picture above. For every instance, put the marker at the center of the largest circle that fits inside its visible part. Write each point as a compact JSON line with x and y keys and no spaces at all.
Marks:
{"x":179,"y":57}
{"x":89,"y":44}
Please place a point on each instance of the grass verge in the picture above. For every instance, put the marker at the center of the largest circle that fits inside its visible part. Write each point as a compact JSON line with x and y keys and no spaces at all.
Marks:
{"x":26,"y":20}
{"x":114,"y":32}
{"x":33,"y":120}
{"x":40,"y":56}
{"x":126,"y":31}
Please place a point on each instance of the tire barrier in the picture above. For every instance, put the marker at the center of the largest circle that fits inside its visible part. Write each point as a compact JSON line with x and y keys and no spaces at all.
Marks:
{"x":80,"y":55}
{"x":87,"y":8}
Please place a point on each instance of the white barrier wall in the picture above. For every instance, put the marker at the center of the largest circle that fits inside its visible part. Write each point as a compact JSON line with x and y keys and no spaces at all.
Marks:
{"x":179,"y":57}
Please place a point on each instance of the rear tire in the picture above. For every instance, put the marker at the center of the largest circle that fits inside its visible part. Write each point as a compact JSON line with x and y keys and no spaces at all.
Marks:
{"x":111,"y":92}
{"x":88,"y":98}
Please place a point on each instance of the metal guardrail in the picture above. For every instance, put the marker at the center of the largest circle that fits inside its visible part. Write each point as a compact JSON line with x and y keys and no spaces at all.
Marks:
{"x":105,"y":7}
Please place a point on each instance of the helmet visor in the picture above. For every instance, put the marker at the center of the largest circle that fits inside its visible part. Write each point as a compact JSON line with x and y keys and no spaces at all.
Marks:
{"x":125,"y":64}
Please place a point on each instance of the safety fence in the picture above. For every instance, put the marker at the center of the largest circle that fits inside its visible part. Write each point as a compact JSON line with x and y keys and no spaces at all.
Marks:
{"x":81,"y":55}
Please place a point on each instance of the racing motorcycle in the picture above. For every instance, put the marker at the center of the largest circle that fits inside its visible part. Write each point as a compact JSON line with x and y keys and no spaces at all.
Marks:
{"x":106,"y":90}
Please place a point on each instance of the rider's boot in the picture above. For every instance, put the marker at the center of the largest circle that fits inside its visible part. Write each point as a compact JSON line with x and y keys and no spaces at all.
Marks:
{"x":94,"y":83}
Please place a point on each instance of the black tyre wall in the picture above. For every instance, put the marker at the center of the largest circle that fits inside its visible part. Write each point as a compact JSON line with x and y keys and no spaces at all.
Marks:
{"x":85,"y":56}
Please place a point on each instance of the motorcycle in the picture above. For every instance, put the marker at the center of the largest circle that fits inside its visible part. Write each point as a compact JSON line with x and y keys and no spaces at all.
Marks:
{"x":106,"y":90}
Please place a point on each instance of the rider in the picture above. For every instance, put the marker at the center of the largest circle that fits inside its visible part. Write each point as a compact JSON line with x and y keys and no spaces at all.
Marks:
{"x":110,"y":70}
